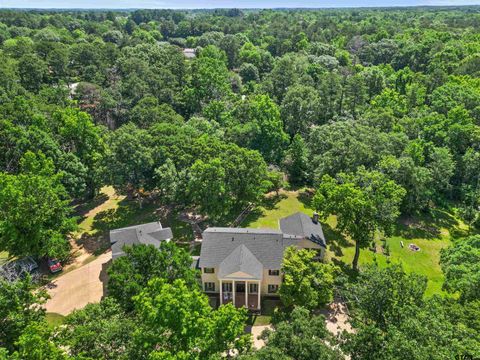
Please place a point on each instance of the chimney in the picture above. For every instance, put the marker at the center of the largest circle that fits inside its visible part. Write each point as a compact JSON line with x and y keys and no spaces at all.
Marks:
{"x":315,"y":218}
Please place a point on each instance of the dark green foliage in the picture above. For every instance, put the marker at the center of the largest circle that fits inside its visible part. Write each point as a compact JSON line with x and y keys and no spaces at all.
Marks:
{"x":99,"y":331}
{"x":19,"y":308}
{"x":301,"y":336}
{"x":392,"y":320}
{"x":461,"y":265}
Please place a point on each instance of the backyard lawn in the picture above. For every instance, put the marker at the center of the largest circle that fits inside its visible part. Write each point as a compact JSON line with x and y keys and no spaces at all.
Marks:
{"x":431,"y":234}
{"x":3,"y":257}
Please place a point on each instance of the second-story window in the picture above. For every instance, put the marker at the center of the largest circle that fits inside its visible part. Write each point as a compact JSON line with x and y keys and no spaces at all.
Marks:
{"x":273,"y":272}
{"x":208,"y":270}
{"x":209,"y":286}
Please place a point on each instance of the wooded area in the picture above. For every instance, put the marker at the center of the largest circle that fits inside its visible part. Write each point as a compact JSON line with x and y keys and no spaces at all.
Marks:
{"x":376,"y":111}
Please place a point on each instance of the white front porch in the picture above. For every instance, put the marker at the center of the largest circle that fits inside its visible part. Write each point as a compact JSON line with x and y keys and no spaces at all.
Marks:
{"x":240,"y":292}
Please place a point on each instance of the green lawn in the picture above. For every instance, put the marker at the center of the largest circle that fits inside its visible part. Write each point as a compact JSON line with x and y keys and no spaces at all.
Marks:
{"x":275,"y":208}
{"x":431,"y":234}
{"x":3,"y":257}
{"x":54,"y":319}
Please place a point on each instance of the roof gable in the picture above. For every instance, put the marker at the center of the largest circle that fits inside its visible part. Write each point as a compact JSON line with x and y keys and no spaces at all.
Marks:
{"x":300,"y":224}
{"x":148,"y":234}
{"x":241,"y":262}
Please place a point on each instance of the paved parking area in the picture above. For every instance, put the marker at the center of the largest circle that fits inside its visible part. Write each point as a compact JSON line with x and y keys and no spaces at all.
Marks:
{"x":78,"y":287}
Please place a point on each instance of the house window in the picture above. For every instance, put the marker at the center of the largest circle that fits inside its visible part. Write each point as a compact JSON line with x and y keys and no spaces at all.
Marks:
{"x":273,"y":272}
{"x":227,"y":287}
{"x":208,"y":270}
{"x":272,"y":289}
{"x":253,"y":288}
{"x":209,"y":286}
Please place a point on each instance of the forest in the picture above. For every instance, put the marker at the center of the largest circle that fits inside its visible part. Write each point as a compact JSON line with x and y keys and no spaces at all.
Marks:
{"x":375,"y":111}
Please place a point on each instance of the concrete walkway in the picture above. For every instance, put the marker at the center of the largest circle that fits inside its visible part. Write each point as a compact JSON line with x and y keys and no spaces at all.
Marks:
{"x":256,"y":331}
{"x":77,"y":288}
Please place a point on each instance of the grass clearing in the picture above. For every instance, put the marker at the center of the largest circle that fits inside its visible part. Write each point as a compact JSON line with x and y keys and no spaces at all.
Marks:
{"x":3,"y":257}
{"x":431,"y":233}
{"x":54,"y":319}
{"x":260,"y":320}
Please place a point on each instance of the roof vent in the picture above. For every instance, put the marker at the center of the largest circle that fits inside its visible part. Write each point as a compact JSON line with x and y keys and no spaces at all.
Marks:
{"x":233,"y":238}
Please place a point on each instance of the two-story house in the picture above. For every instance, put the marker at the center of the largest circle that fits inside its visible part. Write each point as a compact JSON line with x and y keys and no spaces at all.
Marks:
{"x":241,"y":265}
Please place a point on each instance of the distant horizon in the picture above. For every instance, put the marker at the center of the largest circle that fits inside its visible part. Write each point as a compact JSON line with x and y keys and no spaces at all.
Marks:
{"x":224,"y":4}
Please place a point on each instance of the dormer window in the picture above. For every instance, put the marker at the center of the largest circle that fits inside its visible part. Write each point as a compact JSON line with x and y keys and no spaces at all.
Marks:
{"x":274,"y":272}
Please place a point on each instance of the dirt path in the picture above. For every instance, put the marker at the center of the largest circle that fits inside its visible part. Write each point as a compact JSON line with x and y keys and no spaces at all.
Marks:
{"x":80,"y":254}
{"x":82,"y":280}
{"x":78,"y":287}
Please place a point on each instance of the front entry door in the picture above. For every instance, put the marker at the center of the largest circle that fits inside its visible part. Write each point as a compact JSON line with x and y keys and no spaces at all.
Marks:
{"x":239,"y":294}
{"x":240,"y":287}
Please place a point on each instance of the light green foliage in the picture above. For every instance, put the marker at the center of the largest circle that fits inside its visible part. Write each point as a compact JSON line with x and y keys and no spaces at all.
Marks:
{"x":260,"y":127}
{"x":177,"y":319}
{"x":129,"y":274}
{"x":36,"y":343}
{"x":306,"y":282}
{"x":300,"y":109}
{"x":35,"y":211}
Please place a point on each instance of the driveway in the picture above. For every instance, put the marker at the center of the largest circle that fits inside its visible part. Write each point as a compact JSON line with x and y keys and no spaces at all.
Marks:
{"x":78,"y":287}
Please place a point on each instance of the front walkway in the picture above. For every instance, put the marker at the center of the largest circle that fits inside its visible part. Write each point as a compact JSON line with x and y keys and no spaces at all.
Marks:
{"x":256,"y":331}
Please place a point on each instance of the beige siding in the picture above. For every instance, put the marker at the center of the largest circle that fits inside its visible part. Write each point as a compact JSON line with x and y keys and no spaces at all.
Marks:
{"x":270,"y":280}
{"x":211,"y":278}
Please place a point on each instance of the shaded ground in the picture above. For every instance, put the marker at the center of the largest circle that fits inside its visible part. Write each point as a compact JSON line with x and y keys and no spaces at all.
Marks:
{"x":78,"y":287}
{"x":337,"y":318}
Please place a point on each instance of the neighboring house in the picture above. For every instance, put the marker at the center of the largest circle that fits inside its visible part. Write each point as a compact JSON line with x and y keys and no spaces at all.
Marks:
{"x":241,"y":265}
{"x":148,"y":234}
{"x":189,"y":53}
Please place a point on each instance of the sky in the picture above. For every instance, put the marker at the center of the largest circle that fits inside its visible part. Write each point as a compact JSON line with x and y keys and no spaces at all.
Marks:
{"x":195,"y":4}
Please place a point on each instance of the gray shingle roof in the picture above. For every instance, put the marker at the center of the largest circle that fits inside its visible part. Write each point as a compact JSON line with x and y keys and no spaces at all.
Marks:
{"x":148,"y":234}
{"x":241,"y":260}
{"x":301,"y":224}
{"x":234,"y":249}
{"x":267,"y":245}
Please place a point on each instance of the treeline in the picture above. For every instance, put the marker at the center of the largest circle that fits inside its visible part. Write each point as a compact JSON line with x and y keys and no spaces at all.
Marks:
{"x":109,"y":98}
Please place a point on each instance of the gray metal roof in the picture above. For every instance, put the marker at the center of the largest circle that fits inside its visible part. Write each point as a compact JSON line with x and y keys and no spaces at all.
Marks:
{"x":240,"y":260}
{"x":267,"y":245}
{"x":148,"y":234}
{"x":300,"y":224}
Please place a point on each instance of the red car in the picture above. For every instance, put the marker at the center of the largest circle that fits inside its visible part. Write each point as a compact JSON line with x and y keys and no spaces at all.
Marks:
{"x":54,"y":265}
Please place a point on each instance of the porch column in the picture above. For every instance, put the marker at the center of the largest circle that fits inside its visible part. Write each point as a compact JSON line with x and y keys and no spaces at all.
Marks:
{"x":221,"y":297}
{"x":258,"y":291}
{"x":233,"y":289}
{"x":246,"y":294}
